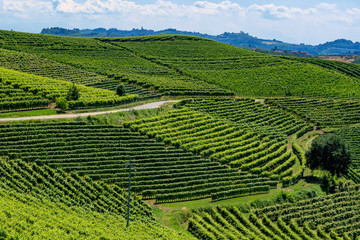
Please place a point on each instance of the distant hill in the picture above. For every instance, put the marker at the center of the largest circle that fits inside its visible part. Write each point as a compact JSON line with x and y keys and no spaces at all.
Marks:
{"x":241,"y":39}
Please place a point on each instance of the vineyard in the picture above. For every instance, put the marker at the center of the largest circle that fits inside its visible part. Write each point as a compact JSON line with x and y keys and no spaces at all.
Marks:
{"x":228,"y":160}
{"x":25,"y":217}
{"x":322,"y":112}
{"x":69,"y":189}
{"x":12,"y":99}
{"x":252,"y":115}
{"x":325,"y":217}
{"x":101,"y":152}
{"x":224,"y":142}
{"x":351,"y":135}
{"x":108,"y":60}
{"x":247,"y":73}
{"x":52,"y":89}
{"x":33,"y":64}
{"x":352,"y":70}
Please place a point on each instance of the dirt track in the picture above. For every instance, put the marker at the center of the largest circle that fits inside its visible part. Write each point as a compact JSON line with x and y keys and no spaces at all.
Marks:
{"x":141,"y":107}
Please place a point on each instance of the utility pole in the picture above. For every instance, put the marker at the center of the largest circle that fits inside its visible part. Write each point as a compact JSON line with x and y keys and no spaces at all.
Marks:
{"x":130,"y":165}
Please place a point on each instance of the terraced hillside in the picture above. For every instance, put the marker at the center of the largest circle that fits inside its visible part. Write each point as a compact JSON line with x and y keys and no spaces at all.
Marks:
{"x":251,"y":115}
{"x":222,"y":141}
{"x":242,"y":71}
{"x":21,"y":90}
{"x":115,"y":62}
{"x":25,"y":217}
{"x":12,"y":99}
{"x":101,"y":152}
{"x":68,"y":179}
{"x":69,"y":189}
{"x":335,"y":216}
{"x":350,"y":69}
{"x":322,"y":112}
{"x":351,"y":135}
{"x":34,"y":64}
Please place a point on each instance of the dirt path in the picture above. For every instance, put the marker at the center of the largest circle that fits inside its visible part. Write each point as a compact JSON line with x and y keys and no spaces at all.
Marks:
{"x":141,"y":107}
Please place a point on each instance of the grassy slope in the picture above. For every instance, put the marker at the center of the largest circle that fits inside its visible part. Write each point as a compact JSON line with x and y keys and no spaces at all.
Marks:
{"x":245,"y":72}
{"x":182,"y":65}
{"x":105,"y":59}
{"x":51,"y":89}
{"x":174,"y":215}
{"x":34,"y":64}
{"x":30,"y":113}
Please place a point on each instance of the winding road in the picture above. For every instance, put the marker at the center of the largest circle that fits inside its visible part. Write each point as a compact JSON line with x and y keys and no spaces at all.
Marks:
{"x":75,"y":115}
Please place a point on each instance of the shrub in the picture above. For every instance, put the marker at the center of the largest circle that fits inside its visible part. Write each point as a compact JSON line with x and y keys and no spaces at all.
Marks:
{"x":62,"y":103}
{"x":120,"y":90}
{"x":73,"y":93}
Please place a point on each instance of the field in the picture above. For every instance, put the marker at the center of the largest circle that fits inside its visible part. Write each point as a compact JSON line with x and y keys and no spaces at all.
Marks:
{"x":326,"y":217}
{"x":226,"y":160}
{"x":247,"y":73}
{"x":37,"y":65}
{"x":111,"y":61}
{"x":322,"y":112}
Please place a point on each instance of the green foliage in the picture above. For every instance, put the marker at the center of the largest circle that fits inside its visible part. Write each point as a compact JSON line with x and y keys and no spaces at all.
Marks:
{"x":33,"y":64}
{"x":3,"y":235}
{"x":52,"y":89}
{"x":73,"y":93}
{"x":328,"y":152}
{"x":25,"y":217}
{"x":163,"y":172}
{"x":328,"y":217}
{"x":69,"y":189}
{"x":106,"y":59}
{"x":351,"y":135}
{"x":62,"y":103}
{"x":240,"y":70}
{"x":250,"y":114}
{"x":222,"y":141}
{"x":259,"y":151}
{"x":12,"y":97}
{"x":189,"y":66}
{"x":322,"y":112}
{"x":120,"y":90}
{"x":350,"y":69}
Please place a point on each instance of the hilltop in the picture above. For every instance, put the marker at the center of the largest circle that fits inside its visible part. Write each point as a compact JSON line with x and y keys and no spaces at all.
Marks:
{"x":241,"y":39}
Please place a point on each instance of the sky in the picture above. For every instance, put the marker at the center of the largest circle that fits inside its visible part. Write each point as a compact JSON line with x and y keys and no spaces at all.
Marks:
{"x":305,"y":21}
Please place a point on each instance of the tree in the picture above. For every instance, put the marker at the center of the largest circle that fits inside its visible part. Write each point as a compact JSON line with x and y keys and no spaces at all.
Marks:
{"x":73,"y":93}
{"x":62,"y":103}
{"x":328,"y":152}
{"x":120,"y":89}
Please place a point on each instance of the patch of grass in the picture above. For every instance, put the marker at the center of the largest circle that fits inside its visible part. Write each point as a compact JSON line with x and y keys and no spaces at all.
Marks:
{"x":305,"y":141}
{"x":228,"y":202}
{"x":30,"y":113}
{"x":174,"y":215}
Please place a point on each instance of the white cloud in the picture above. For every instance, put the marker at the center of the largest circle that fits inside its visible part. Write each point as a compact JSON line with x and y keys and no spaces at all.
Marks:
{"x":35,"y":6}
{"x":271,"y":11}
{"x":326,"y":11}
{"x":267,"y":20}
{"x":160,"y":7}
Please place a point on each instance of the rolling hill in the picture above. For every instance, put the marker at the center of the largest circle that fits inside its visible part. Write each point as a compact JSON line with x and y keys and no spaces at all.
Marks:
{"x":225,"y":162}
{"x":241,"y":39}
{"x":245,"y":72}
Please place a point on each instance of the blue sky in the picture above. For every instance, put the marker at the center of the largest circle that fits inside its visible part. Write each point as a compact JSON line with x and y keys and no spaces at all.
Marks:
{"x":306,"y":21}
